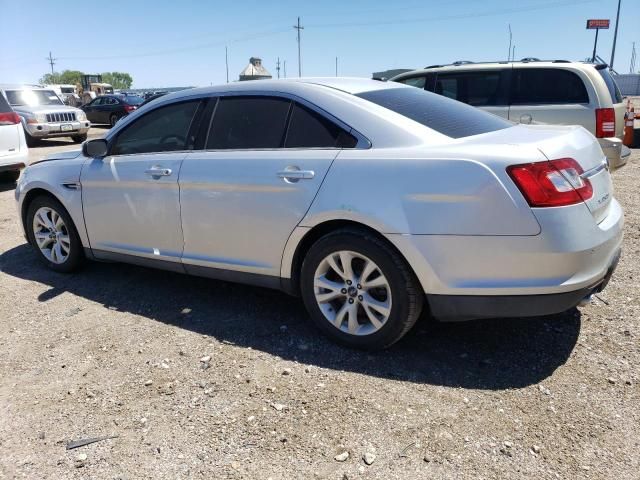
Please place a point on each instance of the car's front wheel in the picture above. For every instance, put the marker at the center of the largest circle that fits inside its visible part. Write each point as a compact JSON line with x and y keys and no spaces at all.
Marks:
{"x":359,"y":291}
{"x":53,"y":234}
{"x":79,"y":138}
{"x":113,"y":119}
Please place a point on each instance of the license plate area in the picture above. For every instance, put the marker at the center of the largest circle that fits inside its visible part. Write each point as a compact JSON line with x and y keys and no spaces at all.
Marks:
{"x":66,"y":127}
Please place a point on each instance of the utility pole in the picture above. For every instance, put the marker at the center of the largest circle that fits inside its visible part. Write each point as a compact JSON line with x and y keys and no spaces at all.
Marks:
{"x":615,"y":37}
{"x":226,"y":61}
{"x":278,"y":67}
{"x":595,"y":45}
{"x":298,"y":28}
{"x":336,"y":66}
{"x":52,"y":62}
{"x":513,"y":54}
{"x":509,"y":51}
{"x":632,"y":65}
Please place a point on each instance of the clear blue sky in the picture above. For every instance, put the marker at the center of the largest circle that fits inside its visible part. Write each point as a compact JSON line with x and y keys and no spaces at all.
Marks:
{"x":178,"y":43}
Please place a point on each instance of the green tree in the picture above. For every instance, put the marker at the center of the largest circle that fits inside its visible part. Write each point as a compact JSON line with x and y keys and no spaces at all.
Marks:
{"x":50,"y":78}
{"x":70,"y":77}
{"x":119,"y":80}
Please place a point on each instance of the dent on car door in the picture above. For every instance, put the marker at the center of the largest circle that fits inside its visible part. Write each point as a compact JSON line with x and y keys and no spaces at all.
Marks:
{"x":131,"y":197}
{"x":244,"y":194}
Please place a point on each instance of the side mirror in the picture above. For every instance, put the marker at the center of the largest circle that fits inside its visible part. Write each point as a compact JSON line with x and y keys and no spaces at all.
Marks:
{"x":96,"y":148}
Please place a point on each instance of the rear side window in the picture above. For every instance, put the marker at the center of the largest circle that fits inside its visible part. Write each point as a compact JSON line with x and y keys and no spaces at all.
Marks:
{"x":414,"y":81}
{"x":553,"y":86}
{"x":248,"y":122}
{"x":446,"y":116}
{"x":4,"y":105}
{"x":164,"y":129}
{"x":308,"y":129}
{"x":612,"y":86}
{"x":479,"y":89}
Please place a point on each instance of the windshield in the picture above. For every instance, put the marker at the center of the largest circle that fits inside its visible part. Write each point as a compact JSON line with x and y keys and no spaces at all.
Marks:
{"x":32,"y":98}
{"x":449,"y":117}
{"x":67,"y":89}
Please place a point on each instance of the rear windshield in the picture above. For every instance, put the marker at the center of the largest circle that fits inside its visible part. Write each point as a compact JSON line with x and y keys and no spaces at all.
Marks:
{"x":32,"y":97}
{"x":614,"y":91}
{"x":132,"y":99}
{"x":449,"y":117}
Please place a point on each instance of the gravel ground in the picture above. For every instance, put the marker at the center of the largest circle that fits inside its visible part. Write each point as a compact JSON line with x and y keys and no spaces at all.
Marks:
{"x":205,"y":379}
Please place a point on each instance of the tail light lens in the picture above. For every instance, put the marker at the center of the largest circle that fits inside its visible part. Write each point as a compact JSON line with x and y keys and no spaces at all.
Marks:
{"x":605,"y":122}
{"x":554,"y":183}
{"x":129,"y":108}
{"x":9,"y":118}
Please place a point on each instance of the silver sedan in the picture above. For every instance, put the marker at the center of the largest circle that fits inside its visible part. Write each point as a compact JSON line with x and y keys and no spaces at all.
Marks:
{"x":372,"y":201}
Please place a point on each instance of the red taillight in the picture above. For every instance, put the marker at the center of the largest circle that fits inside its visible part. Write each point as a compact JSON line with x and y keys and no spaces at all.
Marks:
{"x":551,"y":184}
{"x":9,"y":118}
{"x":129,"y":108}
{"x":605,"y":122}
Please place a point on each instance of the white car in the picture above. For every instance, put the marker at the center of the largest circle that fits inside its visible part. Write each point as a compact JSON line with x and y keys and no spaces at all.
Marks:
{"x":368,"y":199}
{"x":531,"y":91}
{"x":13,"y":147}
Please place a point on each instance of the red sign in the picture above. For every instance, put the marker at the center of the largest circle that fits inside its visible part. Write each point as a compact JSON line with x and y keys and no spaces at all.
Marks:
{"x":597,"y":23}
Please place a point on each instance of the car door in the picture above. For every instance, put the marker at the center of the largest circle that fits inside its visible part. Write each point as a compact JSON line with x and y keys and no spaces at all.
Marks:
{"x":243,"y":195}
{"x":131,"y":197}
{"x":93,"y":114}
{"x":549,"y":95}
{"x":485,"y":89}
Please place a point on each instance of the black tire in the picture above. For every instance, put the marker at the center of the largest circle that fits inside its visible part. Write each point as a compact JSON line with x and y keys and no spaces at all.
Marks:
{"x":113,"y":119}
{"x":407,"y":294}
{"x":79,"y":138}
{"x":76,"y":253}
{"x":9,"y":176}
{"x":31,"y":141}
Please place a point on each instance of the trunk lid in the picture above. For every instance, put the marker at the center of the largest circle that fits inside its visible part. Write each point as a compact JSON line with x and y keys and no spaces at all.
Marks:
{"x":9,"y":140}
{"x":559,"y":141}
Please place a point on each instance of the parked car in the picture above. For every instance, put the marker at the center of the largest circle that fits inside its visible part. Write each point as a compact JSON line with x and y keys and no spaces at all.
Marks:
{"x":111,"y":108}
{"x":43,"y":114}
{"x":152,"y":97}
{"x":369,"y":199}
{"x":531,"y":91}
{"x":13,"y":146}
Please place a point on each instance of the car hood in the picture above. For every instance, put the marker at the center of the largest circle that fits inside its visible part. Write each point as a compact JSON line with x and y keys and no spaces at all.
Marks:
{"x":44,"y":108}
{"x":70,"y":155}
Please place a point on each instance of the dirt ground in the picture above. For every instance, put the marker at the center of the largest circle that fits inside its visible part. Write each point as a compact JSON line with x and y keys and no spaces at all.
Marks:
{"x":205,"y":379}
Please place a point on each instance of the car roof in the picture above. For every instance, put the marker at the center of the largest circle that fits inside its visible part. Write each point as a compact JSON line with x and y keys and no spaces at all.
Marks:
{"x":352,"y":85}
{"x":527,"y":63}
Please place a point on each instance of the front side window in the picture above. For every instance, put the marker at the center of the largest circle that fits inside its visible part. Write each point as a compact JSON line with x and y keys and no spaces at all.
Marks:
{"x":248,"y":122}
{"x":547,"y":86}
{"x":446,"y":116}
{"x":309,"y":129}
{"x":479,"y":89}
{"x":164,"y":129}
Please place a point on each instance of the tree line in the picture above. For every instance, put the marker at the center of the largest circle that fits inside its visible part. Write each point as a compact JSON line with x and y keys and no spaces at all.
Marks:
{"x":119,"y":80}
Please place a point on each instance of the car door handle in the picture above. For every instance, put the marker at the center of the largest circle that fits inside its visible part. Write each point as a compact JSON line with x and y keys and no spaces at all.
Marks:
{"x":295,"y":174}
{"x":157,"y":171}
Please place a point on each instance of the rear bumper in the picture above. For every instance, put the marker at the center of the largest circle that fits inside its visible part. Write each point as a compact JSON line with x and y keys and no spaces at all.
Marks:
{"x":15,"y":161}
{"x":456,"y":308}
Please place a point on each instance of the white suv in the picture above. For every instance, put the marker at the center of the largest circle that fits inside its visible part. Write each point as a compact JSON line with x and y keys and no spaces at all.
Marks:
{"x":13,"y":148}
{"x":532,"y":91}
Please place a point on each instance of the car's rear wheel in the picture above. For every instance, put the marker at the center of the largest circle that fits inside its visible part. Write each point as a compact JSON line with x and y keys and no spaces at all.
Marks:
{"x":113,"y":119}
{"x":31,"y":141}
{"x":359,"y":291}
{"x":53,"y":234}
{"x":79,"y":138}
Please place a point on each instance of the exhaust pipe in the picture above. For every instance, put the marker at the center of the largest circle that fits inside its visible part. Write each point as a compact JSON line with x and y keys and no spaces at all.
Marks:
{"x":586,"y":300}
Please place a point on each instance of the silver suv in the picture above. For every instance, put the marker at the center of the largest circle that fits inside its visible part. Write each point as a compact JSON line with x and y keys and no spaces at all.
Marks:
{"x":43,"y":114}
{"x":531,"y":91}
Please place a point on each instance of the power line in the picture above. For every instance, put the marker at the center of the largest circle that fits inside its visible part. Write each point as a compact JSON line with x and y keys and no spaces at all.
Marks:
{"x":298,"y":28}
{"x":52,"y":61}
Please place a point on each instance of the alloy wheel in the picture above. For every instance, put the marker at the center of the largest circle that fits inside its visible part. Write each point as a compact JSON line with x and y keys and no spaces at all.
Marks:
{"x":51,"y":235}
{"x":352,"y":293}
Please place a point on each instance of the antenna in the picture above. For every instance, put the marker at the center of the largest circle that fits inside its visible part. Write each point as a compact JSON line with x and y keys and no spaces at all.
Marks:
{"x":226,"y":61}
{"x":298,"y":28}
{"x":278,"y":67}
{"x":336,"y":66}
{"x":284,"y":64}
{"x":509,"y":51}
